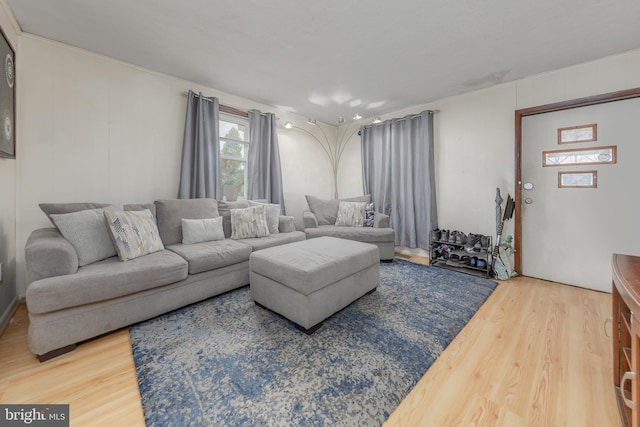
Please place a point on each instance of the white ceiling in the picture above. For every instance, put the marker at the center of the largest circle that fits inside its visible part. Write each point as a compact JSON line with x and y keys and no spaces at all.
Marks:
{"x":331,"y":58}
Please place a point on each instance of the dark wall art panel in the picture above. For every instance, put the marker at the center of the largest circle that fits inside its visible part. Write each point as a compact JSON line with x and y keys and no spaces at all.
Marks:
{"x":7,"y":100}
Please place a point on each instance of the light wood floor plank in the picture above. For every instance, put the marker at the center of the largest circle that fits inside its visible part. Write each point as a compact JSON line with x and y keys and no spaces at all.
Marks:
{"x":535,"y":354}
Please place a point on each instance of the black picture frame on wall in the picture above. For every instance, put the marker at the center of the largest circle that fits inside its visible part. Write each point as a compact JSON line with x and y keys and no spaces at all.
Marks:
{"x":7,"y":99}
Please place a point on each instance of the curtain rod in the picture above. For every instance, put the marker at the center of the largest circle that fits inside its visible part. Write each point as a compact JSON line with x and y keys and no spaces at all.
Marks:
{"x":224,"y":108}
{"x":410,"y":116}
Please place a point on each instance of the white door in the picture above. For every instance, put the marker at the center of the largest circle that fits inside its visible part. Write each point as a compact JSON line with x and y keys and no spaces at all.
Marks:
{"x":569,"y":234}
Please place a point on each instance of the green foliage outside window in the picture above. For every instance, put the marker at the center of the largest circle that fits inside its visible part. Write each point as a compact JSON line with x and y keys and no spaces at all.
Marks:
{"x":233,"y":171}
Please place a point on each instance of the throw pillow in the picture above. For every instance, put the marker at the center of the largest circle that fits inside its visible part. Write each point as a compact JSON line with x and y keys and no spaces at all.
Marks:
{"x":351,"y":214}
{"x":273,"y":215}
{"x":87,"y":233}
{"x":326,"y":211}
{"x":224,"y":208}
{"x":201,"y":230}
{"x":369,"y":215}
{"x":134,"y":233}
{"x":248,"y":223}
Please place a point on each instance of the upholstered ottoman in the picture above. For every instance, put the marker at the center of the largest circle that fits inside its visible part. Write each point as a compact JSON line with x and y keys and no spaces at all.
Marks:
{"x":308,"y":281}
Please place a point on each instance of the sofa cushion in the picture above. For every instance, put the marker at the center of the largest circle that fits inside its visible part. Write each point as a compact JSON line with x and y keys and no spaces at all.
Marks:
{"x":105,"y":280}
{"x":87,"y":232}
{"x":133,"y":233}
{"x":351,"y":214}
{"x":201,"y":230}
{"x":62,"y":208}
{"x":274,"y":240}
{"x":360,"y":234}
{"x":207,"y":256}
{"x":273,"y":215}
{"x":141,"y":207}
{"x":248,"y":223}
{"x":326,"y":211}
{"x":169,"y":214}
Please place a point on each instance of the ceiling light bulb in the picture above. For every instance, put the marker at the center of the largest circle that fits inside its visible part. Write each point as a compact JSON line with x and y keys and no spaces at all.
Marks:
{"x":357,"y":117}
{"x":340,"y":120}
{"x":377,"y":120}
{"x":288,"y":125}
{"x":311,"y":121}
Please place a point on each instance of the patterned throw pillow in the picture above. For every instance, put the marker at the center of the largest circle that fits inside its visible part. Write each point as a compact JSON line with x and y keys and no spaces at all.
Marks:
{"x":351,"y":214}
{"x":273,"y":215}
{"x":369,"y":215}
{"x":201,"y":230}
{"x":249,"y":223}
{"x":134,"y":233}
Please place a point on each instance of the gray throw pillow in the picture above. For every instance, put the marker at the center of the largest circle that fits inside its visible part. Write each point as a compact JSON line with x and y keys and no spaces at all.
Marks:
{"x":201,"y":230}
{"x":326,"y":211}
{"x":134,"y":233}
{"x":249,"y":223}
{"x":273,"y":215}
{"x":87,"y":232}
{"x":351,"y":214}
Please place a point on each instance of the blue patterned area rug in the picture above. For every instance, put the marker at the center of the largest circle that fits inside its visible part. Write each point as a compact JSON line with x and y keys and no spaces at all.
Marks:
{"x":227,"y":362}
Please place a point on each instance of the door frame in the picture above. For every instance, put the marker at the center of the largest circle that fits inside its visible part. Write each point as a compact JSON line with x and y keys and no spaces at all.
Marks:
{"x":548,"y":108}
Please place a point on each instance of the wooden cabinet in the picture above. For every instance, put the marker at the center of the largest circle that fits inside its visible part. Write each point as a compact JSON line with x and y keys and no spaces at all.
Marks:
{"x":626,"y":336}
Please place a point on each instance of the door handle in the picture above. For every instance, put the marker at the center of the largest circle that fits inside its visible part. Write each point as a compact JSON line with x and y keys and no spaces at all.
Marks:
{"x":628,"y":376}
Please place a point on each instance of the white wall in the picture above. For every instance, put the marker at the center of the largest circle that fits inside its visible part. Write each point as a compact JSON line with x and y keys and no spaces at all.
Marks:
{"x":475,"y":134}
{"x":8,"y":199}
{"x":91,"y":128}
{"x":96,"y":129}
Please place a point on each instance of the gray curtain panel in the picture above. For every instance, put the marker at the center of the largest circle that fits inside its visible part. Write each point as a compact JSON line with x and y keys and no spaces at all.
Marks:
{"x":398,"y":172}
{"x":199,"y":176}
{"x":263,"y":163}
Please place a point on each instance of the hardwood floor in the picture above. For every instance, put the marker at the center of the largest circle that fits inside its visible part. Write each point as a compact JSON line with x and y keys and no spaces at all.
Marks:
{"x":535,"y":354}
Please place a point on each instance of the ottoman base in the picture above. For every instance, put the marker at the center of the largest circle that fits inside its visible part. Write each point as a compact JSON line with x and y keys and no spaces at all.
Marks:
{"x":312,"y":329}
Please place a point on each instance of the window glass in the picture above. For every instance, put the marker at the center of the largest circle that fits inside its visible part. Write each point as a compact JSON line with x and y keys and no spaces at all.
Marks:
{"x":234,"y":147}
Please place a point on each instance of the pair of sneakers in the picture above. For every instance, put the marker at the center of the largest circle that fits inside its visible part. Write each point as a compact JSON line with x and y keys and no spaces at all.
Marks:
{"x":478,"y":262}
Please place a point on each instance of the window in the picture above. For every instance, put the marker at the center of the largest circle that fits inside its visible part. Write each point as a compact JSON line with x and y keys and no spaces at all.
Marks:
{"x":580,"y":156}
{"x":234,"y":148}
{"x":583,"y":133}
{"x":578,"y":179}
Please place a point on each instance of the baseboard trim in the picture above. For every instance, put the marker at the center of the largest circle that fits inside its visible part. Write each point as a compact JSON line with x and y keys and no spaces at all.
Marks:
{"x":8,"y":314}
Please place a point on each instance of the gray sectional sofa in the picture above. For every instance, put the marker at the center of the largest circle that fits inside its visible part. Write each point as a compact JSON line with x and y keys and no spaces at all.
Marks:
{"x":68,"y":303}
{"x":321,"y":221}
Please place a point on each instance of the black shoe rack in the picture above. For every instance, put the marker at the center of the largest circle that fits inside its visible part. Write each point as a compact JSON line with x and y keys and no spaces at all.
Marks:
{"x":460,"y":252}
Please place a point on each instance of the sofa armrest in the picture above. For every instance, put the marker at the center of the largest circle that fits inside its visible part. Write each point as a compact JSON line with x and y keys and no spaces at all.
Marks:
{"x":381,"y":220}
{"x":286,"y":224}
{"x":309,"y":220}
{"x":48,"y":254}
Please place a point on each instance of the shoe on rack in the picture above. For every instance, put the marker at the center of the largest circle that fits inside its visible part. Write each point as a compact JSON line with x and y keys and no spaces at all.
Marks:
{"x":481,"y":263}
{"x":452,"y":236}
{"x":472,"y":239}
{"x":473,"y":262}
{"x":435,"y":235}
{"x":444,"y":235}
{"x":485,"y":241}
{"x":477,"y":247}
{"x":461,"y":238}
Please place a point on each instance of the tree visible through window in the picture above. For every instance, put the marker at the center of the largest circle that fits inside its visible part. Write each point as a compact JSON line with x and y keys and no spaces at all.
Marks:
{"x":234,"y":147}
